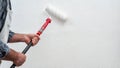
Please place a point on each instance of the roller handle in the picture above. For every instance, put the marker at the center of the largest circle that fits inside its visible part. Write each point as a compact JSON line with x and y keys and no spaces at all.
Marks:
{"x":48,"y":20}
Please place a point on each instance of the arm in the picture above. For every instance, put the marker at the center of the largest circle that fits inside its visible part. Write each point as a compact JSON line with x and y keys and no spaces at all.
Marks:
{"x":17,"y":37}
{"x":16,"y":57}
{"x":9,"y":54}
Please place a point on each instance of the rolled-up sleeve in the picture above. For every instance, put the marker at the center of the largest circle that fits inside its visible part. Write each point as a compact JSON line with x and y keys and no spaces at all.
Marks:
{"x":4,"y":49}
{"x":10,"y":35}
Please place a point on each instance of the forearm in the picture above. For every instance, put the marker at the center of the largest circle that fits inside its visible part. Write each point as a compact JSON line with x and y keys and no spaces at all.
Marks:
{"x":17,"y":38}
{"x":11,"y":56}
{"x":16,"y":57}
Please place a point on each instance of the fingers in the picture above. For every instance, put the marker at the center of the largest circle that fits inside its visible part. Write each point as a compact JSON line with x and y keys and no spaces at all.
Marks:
{"x":20,"y":59}
{"x":35,"y":38}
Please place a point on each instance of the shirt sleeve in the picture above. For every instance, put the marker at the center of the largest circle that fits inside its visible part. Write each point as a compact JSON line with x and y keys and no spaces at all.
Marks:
{"x":10,"y":35}
{"x":4,"y":49}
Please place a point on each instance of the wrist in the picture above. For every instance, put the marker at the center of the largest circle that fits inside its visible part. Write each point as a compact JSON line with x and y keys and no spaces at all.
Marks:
{"x":26,"y":38}
{"x":23,"y":38}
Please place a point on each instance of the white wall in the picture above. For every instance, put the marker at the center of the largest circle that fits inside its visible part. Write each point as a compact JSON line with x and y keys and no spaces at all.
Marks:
{"x":89,"y":39}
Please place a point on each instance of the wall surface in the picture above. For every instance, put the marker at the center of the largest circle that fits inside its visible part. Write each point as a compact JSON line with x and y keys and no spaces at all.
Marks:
{"x":90,"y":38}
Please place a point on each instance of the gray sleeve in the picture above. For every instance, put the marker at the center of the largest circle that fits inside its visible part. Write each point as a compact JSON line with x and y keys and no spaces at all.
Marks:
{"x":4,"y":49}
{"x":10,"y":35}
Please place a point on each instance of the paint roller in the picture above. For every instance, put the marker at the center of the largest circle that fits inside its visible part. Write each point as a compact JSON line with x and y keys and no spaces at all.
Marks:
{"x":48,"y":20}
{"x":53,"y":11}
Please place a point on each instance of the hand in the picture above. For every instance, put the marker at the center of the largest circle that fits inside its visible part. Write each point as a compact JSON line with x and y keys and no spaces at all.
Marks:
{"x":20,"y":59}
{"x":28,"y":37}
